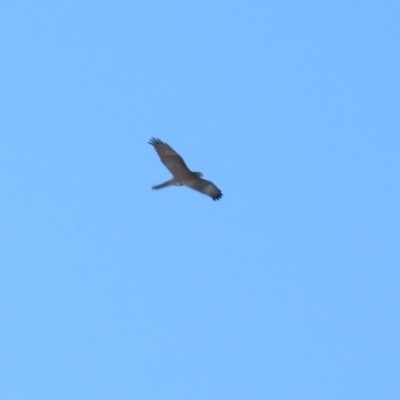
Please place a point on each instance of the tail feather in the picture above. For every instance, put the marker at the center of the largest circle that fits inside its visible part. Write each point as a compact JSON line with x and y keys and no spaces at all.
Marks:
{"x":165,"y":184}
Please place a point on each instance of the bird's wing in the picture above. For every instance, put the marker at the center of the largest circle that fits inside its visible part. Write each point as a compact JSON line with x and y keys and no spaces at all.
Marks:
{"x":170,"y":158}
{"x":205,"y":187}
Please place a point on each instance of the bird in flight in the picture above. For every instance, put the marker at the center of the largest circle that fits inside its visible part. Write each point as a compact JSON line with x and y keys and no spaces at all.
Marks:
{"x":182,"y":175}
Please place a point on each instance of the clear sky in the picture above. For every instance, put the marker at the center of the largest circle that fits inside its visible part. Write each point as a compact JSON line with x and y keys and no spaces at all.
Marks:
{"x":286,"y":288}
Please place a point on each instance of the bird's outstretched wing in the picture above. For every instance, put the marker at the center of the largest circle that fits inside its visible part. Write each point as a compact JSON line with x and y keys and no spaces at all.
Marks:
{"x":170,"y":158}
{"x":205,"y":187}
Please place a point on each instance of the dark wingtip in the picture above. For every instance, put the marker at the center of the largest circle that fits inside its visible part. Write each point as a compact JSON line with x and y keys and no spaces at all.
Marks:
{"x":153,"y":141}
{"x":218,"y":196}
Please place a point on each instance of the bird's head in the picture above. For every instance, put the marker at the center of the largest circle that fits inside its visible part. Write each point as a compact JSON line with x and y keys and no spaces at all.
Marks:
{"x":198,"y":174}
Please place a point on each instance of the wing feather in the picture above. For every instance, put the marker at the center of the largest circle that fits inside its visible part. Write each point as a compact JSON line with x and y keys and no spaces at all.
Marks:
{"x":170,"y":158}
{"x":205,"y":187}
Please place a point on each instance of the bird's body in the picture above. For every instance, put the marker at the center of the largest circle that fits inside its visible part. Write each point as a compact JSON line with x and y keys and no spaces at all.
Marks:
{"x":182,"y":175}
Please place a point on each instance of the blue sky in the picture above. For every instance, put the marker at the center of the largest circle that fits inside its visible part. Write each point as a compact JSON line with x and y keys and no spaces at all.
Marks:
{"x":287,"y":288}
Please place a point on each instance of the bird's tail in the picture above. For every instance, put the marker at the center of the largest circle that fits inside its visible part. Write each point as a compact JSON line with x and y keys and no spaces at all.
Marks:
{"x":165,"y":184}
